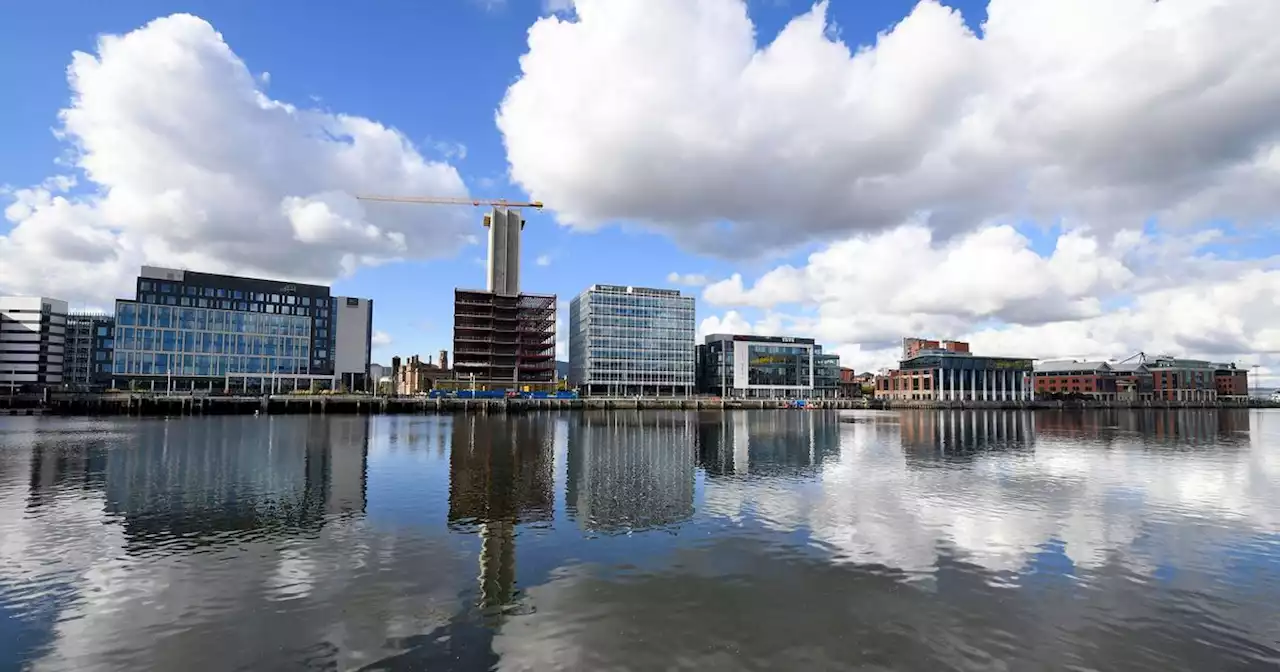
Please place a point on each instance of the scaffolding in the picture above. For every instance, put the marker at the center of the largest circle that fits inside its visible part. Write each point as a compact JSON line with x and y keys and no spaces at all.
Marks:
{"x":505,"y":342}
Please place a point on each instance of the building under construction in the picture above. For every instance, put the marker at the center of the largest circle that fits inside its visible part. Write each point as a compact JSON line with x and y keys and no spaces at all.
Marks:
{"x":504,"y":342}
{"x":503,"y":339}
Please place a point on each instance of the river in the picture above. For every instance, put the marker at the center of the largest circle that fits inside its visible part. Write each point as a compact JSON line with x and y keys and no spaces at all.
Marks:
{"x":752,"y":540}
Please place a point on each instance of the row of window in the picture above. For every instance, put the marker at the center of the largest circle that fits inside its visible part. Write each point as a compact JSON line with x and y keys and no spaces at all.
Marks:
{"x":638,"y":378}
{"x":129,"y":314}
{"x":225,"y":304}
{"x":161,"y":364}
{"x":169,"y":340}
{"x":223,"y":293}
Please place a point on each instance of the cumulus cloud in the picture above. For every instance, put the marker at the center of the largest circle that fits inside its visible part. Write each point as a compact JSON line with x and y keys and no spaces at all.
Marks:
{"x":543,"y":260}
{"x":186,"y":162}
{"x":1111,"y":111}
{"x":1084,"y":298}
{"x":381,"y":339}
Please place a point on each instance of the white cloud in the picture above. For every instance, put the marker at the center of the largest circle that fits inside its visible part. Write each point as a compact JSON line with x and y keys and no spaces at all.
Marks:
{"x":687,"y":279}
{"x":381,"y":339}
{"x":1113,"y":111}
{"x":1085,"y":298}
{"x":543,"y":260}
{"x":186,"y":162}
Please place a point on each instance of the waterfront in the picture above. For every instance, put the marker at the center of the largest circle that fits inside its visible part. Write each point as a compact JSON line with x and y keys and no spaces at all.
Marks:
{"x":785,"y":539}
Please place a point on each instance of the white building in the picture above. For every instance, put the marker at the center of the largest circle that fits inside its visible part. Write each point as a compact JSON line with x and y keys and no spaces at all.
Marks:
{"x":32,"y":342}
{"x":352,"y":342}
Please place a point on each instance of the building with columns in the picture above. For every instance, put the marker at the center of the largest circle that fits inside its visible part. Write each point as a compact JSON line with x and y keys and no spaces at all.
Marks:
{"x":951,"y":372}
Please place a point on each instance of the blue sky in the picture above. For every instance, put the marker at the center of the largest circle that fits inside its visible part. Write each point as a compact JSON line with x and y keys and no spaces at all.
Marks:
{"x":438,"y":72}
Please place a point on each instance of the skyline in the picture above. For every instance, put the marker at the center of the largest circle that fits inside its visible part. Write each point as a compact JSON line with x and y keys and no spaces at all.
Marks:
{"x":1036,"y":181}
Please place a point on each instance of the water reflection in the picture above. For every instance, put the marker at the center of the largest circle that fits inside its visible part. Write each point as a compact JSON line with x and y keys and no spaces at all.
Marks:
{"x":772,"y":442}
{"x":781,"y":539}
{"x":630,"y":472}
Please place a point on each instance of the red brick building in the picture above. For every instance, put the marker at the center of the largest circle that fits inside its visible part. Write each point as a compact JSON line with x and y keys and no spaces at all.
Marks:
{"x":1231,"y":382}
{"x":1091,"y":379}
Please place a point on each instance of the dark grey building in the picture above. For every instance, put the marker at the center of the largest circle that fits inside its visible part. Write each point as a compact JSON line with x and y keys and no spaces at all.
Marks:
{"x":90,"y":340}
{"x":32,"y":340}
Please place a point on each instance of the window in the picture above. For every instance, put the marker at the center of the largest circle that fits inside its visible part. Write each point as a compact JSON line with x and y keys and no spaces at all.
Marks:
{"x":353,"y":302}
{"x":102,"y":331}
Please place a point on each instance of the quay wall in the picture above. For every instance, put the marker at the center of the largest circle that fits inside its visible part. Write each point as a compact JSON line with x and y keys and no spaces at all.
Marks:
{"x":148,"y":404}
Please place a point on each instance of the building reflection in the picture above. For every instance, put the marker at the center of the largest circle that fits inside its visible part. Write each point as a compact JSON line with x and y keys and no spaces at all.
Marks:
{"x":630,"y":472}
{"x":501,"y":474}
{"x":766,"y":442}
{"x":963,"y":432}
{"x":1179,"y":426}
{"x":200,"y":477}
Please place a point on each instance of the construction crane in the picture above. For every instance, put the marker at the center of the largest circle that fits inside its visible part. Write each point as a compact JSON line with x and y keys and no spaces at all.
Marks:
{"x":450,"y":200}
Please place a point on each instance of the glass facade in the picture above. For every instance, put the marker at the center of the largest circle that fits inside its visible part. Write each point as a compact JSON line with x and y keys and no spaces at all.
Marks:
{"x":89,"y":345}
{"x":188,"y":289}
{"x":160,"y":340}
{"x":631,"y":341}
{"x":779,"y":365}
{"x":776,"y":367}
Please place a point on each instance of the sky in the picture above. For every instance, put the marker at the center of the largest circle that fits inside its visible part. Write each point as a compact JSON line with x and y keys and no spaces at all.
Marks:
{"x":1044,"y":178}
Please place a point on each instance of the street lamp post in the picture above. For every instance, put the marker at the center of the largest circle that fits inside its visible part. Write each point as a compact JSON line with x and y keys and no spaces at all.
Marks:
{"x":1255,"y":380}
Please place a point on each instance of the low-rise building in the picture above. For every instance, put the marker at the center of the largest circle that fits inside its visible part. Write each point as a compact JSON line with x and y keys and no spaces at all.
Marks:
{"x":415,"y":376}
{"x":853,"y":384}
{"x":1070,"y":378}
{"x":1176,"y":379}
{"x":1231,"y":382}
{"x":741,"y":365}
{"x":951,"y":372}
{"x":1134,"y":382}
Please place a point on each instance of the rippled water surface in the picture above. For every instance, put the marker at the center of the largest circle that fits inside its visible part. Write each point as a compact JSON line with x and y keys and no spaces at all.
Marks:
{"x":781,"y":540}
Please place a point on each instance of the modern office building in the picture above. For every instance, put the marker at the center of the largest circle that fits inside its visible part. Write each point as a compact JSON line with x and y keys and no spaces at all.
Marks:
{"x":32,"y":342}
{"x":738,"y":365}
{"x":90,"y":339}
{"x":1177,"y":379}
{"x":631,"y":341}
{"x":188,"y":330}
{"x":948,"y":371}
{"x":352,"y":342}
{"x":826,"y":375}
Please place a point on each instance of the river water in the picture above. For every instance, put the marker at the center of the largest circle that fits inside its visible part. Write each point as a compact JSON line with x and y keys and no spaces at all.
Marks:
{"x":779,"y":540}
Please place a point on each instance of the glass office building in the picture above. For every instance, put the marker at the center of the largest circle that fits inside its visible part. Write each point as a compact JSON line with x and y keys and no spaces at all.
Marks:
{"x":89,"y":345}
{"x":188,"y":329}
{"x":738,"y":365}
{"x":629,"y":341}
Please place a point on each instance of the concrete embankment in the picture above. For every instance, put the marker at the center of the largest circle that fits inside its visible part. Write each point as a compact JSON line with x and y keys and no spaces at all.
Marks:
{"x":146,"y":404}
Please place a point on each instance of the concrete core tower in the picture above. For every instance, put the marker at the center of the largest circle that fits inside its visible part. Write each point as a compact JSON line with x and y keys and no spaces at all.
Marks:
{"x":505,"y":226}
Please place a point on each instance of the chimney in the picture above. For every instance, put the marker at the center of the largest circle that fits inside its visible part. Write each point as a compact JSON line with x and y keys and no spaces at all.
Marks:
{"x":395,"y":375}
{"x":444,"y":359}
